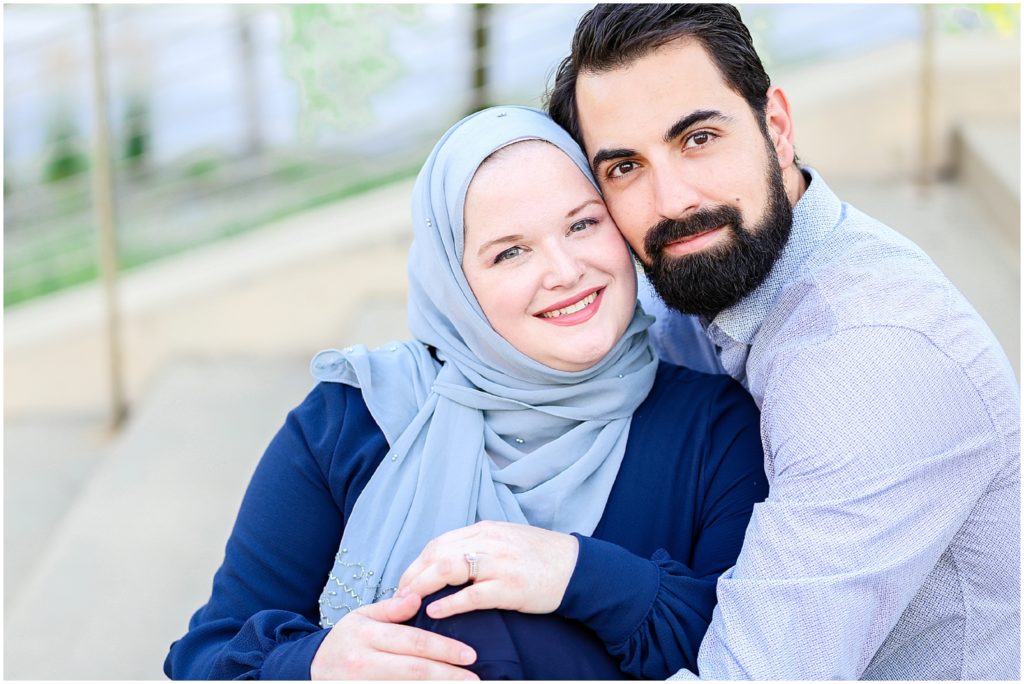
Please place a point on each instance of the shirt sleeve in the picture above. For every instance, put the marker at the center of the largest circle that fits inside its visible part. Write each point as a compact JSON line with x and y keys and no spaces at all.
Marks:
{"x":261,"y":621}
{"x":877,"y":447}
{"x":652,"y":613}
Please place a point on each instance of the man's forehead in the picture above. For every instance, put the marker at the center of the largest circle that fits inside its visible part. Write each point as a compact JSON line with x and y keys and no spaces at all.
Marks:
{"x":654,"y":89}
{"x":685,"y":57}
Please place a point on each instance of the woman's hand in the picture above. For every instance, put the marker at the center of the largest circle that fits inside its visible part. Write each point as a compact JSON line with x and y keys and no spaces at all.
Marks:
{"x":520,"y":567}
{"x":368,"y":643}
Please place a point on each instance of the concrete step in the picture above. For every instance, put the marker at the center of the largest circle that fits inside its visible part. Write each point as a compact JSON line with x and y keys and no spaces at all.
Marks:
{"x":48,"y":460}
{"x":988,"y":165}
{"x":371,"y":218}
{"x":290,"y":306}
{"x":861,"y":114}
{"x":134,"y":554}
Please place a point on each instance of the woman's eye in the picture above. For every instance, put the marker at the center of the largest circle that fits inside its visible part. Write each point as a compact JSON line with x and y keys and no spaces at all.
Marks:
{"x":699,"y":139}
{"x":510,"y":253}
{"x":621,"y":169}
{"x":581,"y":225}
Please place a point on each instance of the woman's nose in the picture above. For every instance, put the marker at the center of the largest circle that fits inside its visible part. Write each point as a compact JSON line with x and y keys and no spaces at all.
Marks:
{"x":564,"y":269}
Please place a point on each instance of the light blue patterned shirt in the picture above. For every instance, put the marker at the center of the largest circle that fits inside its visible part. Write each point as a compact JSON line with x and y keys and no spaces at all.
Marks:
{"x":889,"y":546}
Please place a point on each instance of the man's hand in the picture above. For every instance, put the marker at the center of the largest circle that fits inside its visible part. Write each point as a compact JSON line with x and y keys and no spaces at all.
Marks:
{"x":521,"y":568}
{"x":369,"y":643}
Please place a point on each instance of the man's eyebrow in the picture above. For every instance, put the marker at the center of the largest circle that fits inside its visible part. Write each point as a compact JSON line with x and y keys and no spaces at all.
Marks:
{"x":606,"y":155}
{"x":699,"y":116}
{"x":685,"y":122}
{"x":580,"y":208}
{"x":490,"y":243}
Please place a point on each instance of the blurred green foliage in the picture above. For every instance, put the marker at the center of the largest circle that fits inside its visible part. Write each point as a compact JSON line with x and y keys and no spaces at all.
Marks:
{"x":70,"y":259}
{"x":137,"y":132}
{"x":201,"y":167}
{"x":340,"y":55}
{"x":1003,"y":18}
{"x":64,"y":159}
{"x":292,"y":172}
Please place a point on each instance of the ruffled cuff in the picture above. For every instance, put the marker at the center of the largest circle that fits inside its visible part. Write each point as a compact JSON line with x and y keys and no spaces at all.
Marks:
{"x":272,"y":644}
{"x":611,"y":590}
{"x":650,"y":614}
{"x":291,"y":660}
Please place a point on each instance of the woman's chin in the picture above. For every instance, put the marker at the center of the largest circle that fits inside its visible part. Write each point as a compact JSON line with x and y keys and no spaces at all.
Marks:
{"x":578,"y":358}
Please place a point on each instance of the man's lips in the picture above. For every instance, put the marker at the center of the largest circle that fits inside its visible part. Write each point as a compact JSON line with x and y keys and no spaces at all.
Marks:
{"x":590,"y":299}
{"x":695,"y":243}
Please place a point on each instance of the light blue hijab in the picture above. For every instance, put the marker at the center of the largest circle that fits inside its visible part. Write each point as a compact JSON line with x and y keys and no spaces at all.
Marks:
{"x":487,"y":433}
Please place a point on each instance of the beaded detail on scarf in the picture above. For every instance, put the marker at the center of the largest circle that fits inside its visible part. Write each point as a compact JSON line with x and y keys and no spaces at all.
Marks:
{"x":361,"y":578}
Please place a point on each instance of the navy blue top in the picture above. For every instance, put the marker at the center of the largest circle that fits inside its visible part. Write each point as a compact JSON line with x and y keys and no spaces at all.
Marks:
{"x":644,"y":582}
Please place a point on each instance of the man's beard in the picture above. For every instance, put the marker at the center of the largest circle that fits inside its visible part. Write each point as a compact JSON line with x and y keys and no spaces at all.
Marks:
{"x":713,"y":279}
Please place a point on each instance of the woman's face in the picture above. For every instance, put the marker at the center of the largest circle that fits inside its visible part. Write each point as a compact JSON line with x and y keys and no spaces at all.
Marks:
{"x":547,"y":264}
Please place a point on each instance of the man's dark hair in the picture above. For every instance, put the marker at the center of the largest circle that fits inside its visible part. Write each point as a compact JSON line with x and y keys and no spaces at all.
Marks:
{"x":612,"y":36}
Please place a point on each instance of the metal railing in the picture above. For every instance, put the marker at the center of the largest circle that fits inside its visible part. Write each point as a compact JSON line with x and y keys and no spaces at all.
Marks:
{"x":223,"y":118}
{"x":209,"y":120}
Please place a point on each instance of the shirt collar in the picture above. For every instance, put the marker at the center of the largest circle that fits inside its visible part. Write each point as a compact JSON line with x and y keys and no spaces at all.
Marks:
{"x":816,"y":213}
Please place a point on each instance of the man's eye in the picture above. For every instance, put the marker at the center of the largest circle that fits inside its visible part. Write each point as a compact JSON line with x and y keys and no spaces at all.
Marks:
{"x":699,"y":139}
{"x":510,"y":253}
{"x":621,"y":169}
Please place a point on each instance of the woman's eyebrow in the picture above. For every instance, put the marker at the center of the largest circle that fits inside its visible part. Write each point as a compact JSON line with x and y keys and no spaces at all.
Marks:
{"x":490,"y":243}
{"x":582,"y":206}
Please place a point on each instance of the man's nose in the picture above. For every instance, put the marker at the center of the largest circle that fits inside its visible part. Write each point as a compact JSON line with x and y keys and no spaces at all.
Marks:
{"x":564,"y":269}
{"x":675,"y":194}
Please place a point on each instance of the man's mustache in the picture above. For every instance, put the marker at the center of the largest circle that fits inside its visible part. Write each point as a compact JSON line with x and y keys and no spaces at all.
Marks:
{"x":667,"y":231}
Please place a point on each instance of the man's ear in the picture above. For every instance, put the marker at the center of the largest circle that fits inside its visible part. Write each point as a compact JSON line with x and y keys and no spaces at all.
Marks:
{"x":780,"y":126}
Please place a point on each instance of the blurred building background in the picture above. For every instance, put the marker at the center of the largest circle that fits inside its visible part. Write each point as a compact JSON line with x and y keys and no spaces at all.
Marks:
{"x":262,"y":160}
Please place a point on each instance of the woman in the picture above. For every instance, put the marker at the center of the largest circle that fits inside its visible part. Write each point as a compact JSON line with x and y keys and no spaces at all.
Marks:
{"x":531,"y":397}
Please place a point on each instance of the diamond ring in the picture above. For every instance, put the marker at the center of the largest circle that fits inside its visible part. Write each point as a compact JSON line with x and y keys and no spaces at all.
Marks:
{"x":474,"y":565}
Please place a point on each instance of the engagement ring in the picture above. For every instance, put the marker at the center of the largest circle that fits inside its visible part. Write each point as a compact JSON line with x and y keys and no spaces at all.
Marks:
{"x":474,"y":565}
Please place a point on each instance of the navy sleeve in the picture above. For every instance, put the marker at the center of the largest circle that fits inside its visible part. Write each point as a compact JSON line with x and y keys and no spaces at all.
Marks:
{"x":652,"y":612}
{"x":261,"y":621}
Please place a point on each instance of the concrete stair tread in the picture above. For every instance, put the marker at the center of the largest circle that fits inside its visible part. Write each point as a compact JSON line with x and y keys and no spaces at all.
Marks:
{"x":997,"y":144}
{"x":48,"y":459}
{"x":136,"y":552}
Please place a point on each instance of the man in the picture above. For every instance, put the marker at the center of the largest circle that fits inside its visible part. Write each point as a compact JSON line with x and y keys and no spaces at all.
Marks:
{"x":889,"y":544}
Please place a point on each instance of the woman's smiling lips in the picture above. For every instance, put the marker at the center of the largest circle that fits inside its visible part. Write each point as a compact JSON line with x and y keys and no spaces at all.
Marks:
{"x":695,"y":243}
{"x":578,"y":309}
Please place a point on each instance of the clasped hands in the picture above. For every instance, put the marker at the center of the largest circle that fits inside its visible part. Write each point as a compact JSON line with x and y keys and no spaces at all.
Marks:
{"x":520,"y":568}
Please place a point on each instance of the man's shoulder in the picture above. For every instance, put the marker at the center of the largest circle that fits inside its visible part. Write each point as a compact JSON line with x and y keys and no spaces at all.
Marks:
{"x":865,"y":284}
{"x":865,"y":275}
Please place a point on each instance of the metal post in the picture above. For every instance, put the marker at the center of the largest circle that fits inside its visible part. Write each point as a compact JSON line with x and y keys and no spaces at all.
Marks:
{"x":249,"y":80}
{"x":103,"y":201}
{"x":481,"y":39}
{"x":927,"y":169}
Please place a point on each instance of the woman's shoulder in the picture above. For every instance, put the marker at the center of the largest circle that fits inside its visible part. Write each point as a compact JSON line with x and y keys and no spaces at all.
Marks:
{"x":689,"y":426}
{"x":335,"y":398}
{"x":330,"y":405}
{"x":679,"y":382}
{"x":334,"y":422}
{"x":683,"y":400}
